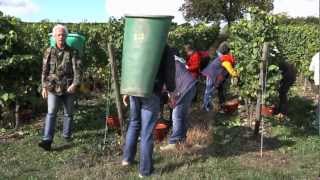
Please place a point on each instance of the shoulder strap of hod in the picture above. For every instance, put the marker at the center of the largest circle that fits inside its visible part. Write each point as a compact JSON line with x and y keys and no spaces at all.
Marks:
{"x":53,"y":52}
{"x":48,"y":54}
{"x":54,"y":59}
{"x":69,"y":52}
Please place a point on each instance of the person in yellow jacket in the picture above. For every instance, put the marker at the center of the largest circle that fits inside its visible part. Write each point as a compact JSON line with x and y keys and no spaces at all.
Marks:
{"x":216,"y":73}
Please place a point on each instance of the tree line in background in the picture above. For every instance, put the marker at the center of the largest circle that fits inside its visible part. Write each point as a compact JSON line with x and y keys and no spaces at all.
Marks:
{"x":221,"y":10}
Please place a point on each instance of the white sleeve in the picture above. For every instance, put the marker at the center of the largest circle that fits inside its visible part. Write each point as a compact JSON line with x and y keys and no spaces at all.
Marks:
{"x":313,"y":62}
{"x":311,"y":67}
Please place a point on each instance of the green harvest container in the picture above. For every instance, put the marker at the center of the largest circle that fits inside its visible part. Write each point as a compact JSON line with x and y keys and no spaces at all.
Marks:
{"x":145,"y":38}
{"x":73,"y":40}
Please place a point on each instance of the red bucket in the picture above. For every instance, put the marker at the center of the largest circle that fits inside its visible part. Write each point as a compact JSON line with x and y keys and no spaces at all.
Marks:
{"x":113,"y":122}
{"x":160,"y":131}
{"x":231,"y":106}
{"x":267,"y":111}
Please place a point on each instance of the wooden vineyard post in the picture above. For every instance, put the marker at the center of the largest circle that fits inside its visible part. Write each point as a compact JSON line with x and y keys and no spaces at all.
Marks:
{"x":262,"y":91}
{"x":116,"y":89}
{"x":262,"y":78}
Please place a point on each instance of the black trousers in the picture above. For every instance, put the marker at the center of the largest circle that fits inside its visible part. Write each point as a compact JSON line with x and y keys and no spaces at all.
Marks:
{"x":283,"y":97}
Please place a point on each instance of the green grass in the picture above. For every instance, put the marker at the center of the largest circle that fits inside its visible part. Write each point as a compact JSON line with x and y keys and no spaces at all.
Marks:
{"x":292,"y":151}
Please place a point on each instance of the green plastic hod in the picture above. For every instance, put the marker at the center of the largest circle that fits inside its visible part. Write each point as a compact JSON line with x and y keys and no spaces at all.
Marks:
{"x":145,"y":38}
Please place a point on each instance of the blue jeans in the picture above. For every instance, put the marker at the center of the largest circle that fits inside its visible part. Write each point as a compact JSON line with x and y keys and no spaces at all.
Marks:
{"x":208,"y":95}
{"x":143,"y":116}
{"x":54,"y":102}
{"x":179,"y":117}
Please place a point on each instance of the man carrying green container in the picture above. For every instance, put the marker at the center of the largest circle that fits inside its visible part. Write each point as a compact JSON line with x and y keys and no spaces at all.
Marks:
{"x":60,"y":79}
{"x":147,"y":66}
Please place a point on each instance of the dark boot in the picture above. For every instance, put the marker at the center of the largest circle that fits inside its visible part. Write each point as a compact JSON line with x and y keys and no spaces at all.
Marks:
{"x":256,"y":128}
{"x":45,"y":144}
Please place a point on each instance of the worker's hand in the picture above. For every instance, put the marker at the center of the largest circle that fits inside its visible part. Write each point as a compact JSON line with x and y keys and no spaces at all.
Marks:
{"x":187,"y":67}
{"x":71,"y":89}
{"x":44,"y":93}
{"x":125,"y":100}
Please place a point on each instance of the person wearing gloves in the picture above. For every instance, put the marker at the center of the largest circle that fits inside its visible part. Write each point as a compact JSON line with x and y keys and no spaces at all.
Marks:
{"x":144,"y":112}
{"x":213,"y":54}
{"x":289,"y":73}
{"x":216,"y":74}
{"x":181,"y":102}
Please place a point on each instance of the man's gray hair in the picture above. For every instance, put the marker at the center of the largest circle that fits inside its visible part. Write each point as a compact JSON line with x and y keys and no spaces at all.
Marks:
{"x":59,"y":26}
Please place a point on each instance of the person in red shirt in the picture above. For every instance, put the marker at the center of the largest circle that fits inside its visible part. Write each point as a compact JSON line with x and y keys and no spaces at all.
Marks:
{"x":193,"y":60}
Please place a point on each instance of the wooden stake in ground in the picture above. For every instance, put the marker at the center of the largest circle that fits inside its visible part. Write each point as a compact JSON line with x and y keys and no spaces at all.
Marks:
{"x":116,"y":89}
{"x":263,"y":82}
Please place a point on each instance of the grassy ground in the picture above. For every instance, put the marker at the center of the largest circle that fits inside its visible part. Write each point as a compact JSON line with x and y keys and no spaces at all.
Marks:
{"x":218,"y":149}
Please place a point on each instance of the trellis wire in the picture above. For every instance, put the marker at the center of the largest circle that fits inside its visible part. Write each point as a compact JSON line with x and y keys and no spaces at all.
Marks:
{"x":108,"y":101}
{"x":264,"y":90}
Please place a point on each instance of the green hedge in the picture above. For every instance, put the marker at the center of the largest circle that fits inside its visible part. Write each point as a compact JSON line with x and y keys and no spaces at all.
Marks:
{"x":202,"y":36}
{"x":22,"y":46}
{"x":300,"y":43}
{"x":247,"y":39}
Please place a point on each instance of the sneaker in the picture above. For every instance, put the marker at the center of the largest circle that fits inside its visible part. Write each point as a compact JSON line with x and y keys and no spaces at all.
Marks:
{"x":168,"y":147}
{"x":143,"y":176}
{"x":45,"y":144}
{"x":221,"y":111}
{"x":125,"y":163}
{"x":280,"y":116}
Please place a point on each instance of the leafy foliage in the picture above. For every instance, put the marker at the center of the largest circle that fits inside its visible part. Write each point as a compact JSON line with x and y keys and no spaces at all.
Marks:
{"x":201,"y":35}
{"x":299,"y":43}
{"x":312,"y":20}
{"x":8,"y":37}
{"x":24,"y":44}
{"x":247,"y":39}
{"x":18,"y":70}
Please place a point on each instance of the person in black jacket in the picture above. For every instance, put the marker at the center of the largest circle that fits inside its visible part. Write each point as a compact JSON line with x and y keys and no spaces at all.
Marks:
{"x":143,"y":116}
{"x":288,"y":72}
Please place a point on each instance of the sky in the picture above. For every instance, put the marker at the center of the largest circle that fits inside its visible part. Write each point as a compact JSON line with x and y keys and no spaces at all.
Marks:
{"x":101,"y":10}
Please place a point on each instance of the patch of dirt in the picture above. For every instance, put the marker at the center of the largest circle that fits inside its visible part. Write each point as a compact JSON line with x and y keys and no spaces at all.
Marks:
{"x":269,"y":160}
{"x":10,"y":137}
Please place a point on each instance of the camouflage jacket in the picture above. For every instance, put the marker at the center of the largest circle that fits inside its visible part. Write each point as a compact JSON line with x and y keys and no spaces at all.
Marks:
{"x":60,"y":69}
